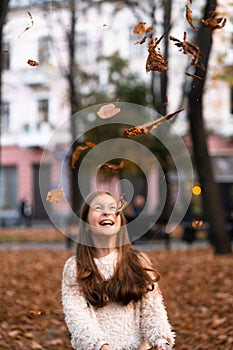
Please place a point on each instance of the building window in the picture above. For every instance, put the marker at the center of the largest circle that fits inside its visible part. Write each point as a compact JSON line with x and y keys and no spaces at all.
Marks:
{"x":8,"y":187}
{"x":5,"y":56}
{"x":43,"y":48}
{"x":5,"y":117}
{"x":43,"y":111}
{"x":136,"y":50}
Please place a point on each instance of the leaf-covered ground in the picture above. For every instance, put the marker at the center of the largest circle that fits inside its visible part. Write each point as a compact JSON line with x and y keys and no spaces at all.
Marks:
{"x":197,"y":288}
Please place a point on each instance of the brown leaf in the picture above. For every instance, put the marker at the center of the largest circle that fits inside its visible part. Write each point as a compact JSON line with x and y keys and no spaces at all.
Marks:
{"x":193,"y":75}
{"x":111,"y":167}
{"x":78,"y":150}
{"x":90,"y":144}
{"x":36,"y":346}
{"x":189,"y":17}
{"x":189,"y":49}
{"x":197,"y":223}
{"x":121,"y":204}
{"x":30,"y":25}
{"x":141,"y":41}
{"x":33,"y":63}
{"x":155,"y":60}
{"x":140,"y":28}
{"x":55,"y":195}
{"x":214,"y":22}
{"x":143,"y":129}
{"x":36,"y":313}
{"x":108,"y":111}
{"x":76,"y":154}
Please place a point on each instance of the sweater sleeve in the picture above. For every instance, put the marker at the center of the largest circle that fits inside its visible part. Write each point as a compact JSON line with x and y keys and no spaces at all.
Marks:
{"x":79,"y":315}
{"x":155,"y":325}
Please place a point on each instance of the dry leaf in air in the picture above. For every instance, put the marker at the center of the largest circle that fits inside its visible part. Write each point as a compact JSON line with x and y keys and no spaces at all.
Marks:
{"x":155,"y":60}
{"x":214,"y":22}
{"x":29,"y":25}
{"x":78,"y":150}
{"x":33,"y":63}
{"x":189,"y":17}
{"x":111,"y":167}
{"x":150,"y":126}
{"x":76,"y":154}
{"x":197,"y":223}
{"x":189,"y":49}
{"x":108,"y":111}
{"x":55,"y":195}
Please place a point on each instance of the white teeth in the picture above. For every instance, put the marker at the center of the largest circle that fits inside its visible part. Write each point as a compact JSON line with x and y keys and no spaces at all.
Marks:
{"x":106,"y":222}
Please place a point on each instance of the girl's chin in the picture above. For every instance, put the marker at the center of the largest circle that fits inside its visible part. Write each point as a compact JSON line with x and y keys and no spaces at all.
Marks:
{"x":108,"y":231}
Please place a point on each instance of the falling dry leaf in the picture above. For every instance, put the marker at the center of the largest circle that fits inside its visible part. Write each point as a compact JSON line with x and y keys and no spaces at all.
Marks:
{"x":33,"y":63}
{"x":189,"y":49}
{"x":214,"y":22}
{"x":90,"y":144}
{"x":150,"y":126}
{"x":121,"y":204}
{"x":108,"y":111}
{"x":140,"y":28}
{"x":141,"y":41}
{"x":55,"y":195}
{"x":155,"y":60}
{"x":111,"y":167}
{"x":78,"y":150}
{"x":30,"y":25}
{"x":193,"y":75}
{"x":76,"y":154}
{"x":189,"y":17}
{"x":166,"y":101}
{"x":197,"y":223}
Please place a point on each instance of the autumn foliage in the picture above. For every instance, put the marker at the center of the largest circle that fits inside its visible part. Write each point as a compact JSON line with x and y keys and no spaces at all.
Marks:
{"x":196,"y":285}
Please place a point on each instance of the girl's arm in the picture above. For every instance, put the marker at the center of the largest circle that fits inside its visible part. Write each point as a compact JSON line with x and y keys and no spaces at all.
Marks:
{"x":79,"y":315}
{"x":154,"y":323}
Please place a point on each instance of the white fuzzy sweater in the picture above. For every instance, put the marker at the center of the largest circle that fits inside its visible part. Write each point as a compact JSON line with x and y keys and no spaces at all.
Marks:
{"x":139,"y":325}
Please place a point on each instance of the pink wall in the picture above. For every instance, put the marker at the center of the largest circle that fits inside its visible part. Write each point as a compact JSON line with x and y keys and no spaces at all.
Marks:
{"x":23,"y":159}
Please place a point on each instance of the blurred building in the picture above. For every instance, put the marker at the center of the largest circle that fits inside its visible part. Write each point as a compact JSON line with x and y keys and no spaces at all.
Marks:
{"x":35,"y":98}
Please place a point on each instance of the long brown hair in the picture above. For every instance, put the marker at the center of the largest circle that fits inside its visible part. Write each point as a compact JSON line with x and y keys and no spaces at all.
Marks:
{"x":130,"y":280}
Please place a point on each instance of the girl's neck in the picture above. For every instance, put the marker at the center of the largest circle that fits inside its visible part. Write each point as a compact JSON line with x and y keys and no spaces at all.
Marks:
{"x":101,"y":252}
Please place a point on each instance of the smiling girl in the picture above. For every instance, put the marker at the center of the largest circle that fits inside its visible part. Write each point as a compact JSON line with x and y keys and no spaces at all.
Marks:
{"x":110,"y":295}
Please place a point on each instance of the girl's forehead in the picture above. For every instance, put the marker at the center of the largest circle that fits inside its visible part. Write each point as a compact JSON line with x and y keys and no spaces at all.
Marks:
{"x":103,"y":198}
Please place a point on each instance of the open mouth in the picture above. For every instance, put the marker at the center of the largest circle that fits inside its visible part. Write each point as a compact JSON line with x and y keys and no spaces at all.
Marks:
{"x":106,"y":222}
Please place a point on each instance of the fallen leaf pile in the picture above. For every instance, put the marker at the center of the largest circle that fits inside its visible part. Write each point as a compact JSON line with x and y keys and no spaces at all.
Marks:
{"x":196,"y":285}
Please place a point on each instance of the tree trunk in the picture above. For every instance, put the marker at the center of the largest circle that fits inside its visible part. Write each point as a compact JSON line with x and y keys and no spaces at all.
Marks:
{"x":211,"y":196}
{"x":3,"y":11}
{"x":74,"y":105}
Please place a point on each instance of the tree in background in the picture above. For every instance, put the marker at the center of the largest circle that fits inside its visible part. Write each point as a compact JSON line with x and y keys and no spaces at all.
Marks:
{"x":211,"y":197}
{"x":3,"y":12}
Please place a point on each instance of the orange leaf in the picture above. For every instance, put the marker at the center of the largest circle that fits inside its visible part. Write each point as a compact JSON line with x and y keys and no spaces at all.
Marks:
{"x":55,"y":195}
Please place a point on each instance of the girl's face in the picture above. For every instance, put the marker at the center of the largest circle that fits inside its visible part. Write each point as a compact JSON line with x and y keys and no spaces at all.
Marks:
{"x":102,"y":215}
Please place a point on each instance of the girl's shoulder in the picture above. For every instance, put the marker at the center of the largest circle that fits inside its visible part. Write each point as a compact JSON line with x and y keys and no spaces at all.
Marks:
{"x":69,"y":270}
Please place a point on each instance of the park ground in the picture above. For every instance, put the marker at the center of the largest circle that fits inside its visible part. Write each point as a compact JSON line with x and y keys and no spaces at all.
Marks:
{"x":197,"y":289}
